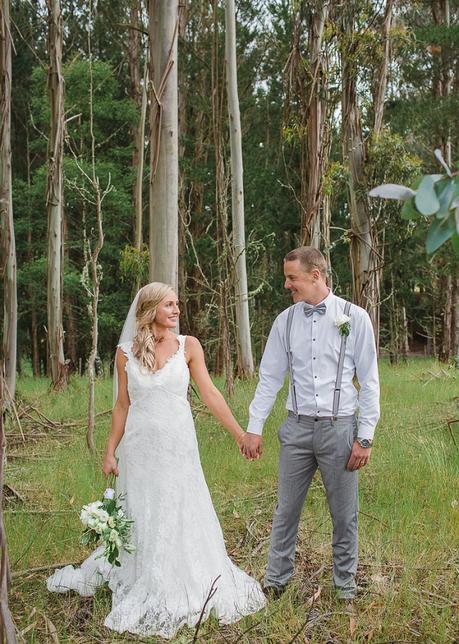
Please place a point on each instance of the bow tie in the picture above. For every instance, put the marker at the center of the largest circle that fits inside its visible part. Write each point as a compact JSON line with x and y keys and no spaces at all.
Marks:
{"x":309,"y":309}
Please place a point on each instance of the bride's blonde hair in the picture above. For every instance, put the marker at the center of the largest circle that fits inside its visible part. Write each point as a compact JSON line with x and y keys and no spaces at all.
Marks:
{"x":144,"y":346}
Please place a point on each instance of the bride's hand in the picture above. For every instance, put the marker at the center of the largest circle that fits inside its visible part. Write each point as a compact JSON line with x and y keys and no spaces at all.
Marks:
{"x":110,"y":466}
{"x":245,"y":447}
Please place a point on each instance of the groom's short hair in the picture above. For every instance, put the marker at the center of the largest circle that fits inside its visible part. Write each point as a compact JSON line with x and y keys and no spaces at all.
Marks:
{"x":309,"y":259}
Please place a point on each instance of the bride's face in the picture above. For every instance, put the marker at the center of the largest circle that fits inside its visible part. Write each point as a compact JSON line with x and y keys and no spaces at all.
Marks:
{"x":167,"y":311}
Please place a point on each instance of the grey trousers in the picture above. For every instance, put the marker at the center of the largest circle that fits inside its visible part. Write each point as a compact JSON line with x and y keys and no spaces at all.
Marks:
{"x":305,"y":446}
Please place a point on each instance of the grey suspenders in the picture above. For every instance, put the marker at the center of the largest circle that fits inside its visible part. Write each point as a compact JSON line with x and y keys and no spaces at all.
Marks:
{"x":290,"y":359}
{"x":339,"y":374}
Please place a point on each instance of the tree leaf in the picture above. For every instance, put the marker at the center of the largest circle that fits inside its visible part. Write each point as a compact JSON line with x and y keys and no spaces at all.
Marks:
{"x":455,"y":242}
{"x":439,"y":155}
{"x":408,"y":210}
{"x":392,"y":191}
{"x":426,"y":199}
{"x":439,"y":232}
{"x":445,"y":200}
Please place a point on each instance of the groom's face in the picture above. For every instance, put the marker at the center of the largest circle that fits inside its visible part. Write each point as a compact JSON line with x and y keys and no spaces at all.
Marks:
{"x":300,"y":283}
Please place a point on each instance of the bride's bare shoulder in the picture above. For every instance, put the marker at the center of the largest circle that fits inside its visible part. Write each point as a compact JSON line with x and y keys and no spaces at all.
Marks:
{"x":192,"y":345}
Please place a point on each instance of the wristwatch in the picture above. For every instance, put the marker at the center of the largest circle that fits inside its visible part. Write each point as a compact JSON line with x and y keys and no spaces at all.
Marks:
{"x":364,"y":442}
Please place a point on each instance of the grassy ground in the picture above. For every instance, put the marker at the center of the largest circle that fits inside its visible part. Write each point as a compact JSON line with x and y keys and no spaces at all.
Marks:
{"x":409,"y":501}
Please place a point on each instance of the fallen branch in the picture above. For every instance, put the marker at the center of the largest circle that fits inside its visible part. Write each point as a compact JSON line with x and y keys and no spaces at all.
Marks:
{"x":212,"y":591}
{"x":21,"y":573}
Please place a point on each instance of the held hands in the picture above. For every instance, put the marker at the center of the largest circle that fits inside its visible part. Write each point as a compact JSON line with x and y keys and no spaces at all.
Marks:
{"x":110,"y":465}
{"x":250,"y":446}
{"x":359,"y":457}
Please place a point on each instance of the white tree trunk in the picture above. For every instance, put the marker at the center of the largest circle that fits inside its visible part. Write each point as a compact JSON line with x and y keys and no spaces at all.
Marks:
{"x":163,"y":31}
{"x":54,"y":197}
{"x":140,"y":145}
{"x":7,"y":244}
{"x":383,"y":70}
{"x":317,"y":145}
{"x":237,"y":193}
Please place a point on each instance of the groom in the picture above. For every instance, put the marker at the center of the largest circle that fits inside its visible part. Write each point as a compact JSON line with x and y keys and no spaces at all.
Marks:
{"x":322,"y":351}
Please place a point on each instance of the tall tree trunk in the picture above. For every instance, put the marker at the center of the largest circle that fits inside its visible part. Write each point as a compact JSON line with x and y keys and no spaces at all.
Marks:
{"x":381,"y":79}
{"x":455,"y":325}
{"x":442,"y":82}
{"x":316,"y":112}
{"x":54,"y":197}
{"x":138,"y":185}
{"x":7,"y":243}
{"x":163,"y":31}
{"x":223,"y":356}
{"x":92,"y":257}
{"x":363,"y":256}
{"x":246,"y":367}
{"x":138,"y":92}
{"x":7,"y":630}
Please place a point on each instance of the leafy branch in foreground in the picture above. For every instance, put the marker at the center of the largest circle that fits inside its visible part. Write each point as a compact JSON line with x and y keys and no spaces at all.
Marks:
{"x":437,"y":196}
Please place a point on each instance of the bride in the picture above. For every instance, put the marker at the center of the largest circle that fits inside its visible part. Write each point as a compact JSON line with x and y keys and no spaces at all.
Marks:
{"x":180,"y":555}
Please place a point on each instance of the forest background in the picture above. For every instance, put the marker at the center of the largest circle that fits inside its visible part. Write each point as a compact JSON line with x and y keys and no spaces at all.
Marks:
{"x":335,"y":98}
{"x":400,"y":76}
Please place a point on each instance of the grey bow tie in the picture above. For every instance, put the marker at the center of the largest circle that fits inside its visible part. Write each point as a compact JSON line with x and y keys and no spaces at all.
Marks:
{"x":309,"y":309}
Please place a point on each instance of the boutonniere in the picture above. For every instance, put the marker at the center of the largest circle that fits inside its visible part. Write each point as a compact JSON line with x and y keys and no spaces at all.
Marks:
{"x":343,"y":322}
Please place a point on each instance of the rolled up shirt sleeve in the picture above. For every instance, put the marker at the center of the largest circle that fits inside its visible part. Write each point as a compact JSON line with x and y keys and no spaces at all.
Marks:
{"x":273,"y":368}
{"x":366,"y":366}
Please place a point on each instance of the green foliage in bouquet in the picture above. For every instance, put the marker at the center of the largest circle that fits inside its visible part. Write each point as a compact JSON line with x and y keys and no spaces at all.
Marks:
{"x":106,"y":521}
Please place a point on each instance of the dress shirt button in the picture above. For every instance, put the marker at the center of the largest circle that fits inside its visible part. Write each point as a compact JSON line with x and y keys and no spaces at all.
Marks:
{"x":315,"y":376}
{"x":314,"y":321}
{"x":317,"y":395}
{"x":314,"y":357}
{"x":313,"y":339}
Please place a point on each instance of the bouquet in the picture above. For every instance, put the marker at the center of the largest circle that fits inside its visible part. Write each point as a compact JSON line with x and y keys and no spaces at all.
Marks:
{"x":105,"y":520}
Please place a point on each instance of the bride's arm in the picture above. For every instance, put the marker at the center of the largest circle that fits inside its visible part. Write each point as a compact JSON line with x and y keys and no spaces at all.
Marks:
{"x":119,"y":414}
{"x":210,"y":395}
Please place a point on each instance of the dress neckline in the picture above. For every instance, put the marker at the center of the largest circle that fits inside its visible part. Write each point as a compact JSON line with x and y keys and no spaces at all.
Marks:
{"x":180,"y":339}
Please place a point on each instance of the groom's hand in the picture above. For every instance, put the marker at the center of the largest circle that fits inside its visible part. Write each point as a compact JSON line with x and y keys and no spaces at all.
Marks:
{"x":251,"y":446}
{"x":359,"y":457}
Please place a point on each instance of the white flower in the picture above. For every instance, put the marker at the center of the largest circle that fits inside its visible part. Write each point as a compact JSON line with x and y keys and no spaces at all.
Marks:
{"x":120,"y":513}
{"x":109,"y":493}
{"x":84,"y":515}
{"x":101,"y":515}
{"x":93,"y":522}
{"x":113,"y":536}
{"x":111,"y":522}
{"x":342,"y":319}
{"x":100,"y":527}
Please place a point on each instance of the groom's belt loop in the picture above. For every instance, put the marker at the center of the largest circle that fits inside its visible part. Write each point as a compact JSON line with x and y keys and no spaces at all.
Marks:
{"x":290,"y":361}
{"x":339,"y":373}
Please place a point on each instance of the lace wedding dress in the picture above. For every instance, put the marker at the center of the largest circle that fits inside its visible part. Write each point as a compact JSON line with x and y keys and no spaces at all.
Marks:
{"x":180,"y":553}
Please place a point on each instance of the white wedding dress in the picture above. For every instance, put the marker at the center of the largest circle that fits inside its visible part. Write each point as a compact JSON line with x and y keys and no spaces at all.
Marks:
{"x":180,"y":551}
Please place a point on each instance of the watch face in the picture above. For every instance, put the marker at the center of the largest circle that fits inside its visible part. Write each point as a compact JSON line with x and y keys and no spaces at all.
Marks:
{"x":364,"y":442}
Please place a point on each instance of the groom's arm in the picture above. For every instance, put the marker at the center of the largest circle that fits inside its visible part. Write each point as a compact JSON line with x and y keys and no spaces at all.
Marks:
{"x":273,"y":367}
{"x":366,"y":368}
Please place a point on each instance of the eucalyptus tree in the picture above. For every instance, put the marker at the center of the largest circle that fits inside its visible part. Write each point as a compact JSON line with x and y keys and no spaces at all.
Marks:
{"x":7,"y":243}
{"x":55,"y":196}
{"x":237,"y":194}
{"x":366,"y":260}
{"x":163,"y":34}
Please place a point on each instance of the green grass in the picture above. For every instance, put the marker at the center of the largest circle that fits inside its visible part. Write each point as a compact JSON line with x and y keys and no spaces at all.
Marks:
{"x":409,"y":502}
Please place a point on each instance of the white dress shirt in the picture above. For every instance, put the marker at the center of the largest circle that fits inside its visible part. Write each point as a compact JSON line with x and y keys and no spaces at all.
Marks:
{"x":315,"y":344}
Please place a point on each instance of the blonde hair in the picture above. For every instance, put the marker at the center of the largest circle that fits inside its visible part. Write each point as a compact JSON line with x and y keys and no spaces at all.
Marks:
{"x":309,"y":258}
{"x":144,"y":346}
